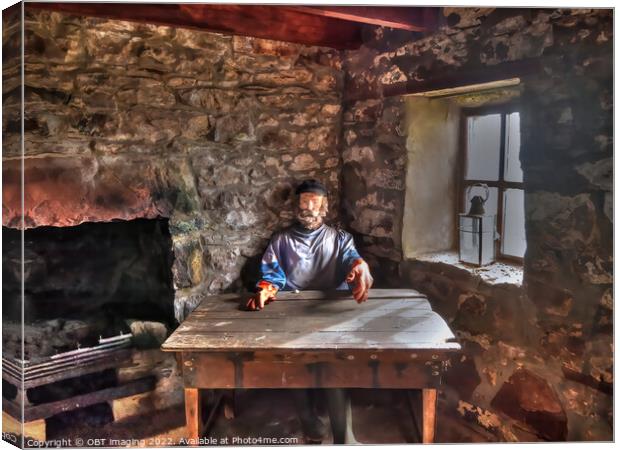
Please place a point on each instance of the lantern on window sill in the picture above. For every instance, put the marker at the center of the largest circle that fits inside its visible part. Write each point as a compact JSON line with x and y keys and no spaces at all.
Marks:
{"x":477,"y":232}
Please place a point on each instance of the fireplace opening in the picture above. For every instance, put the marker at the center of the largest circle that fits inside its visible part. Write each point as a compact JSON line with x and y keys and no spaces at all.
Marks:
{"x":96,"y":295}
{"x":85,"y":282}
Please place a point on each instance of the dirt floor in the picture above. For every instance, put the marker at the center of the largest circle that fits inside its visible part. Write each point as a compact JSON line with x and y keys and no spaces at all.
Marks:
{"x":379,"y":417}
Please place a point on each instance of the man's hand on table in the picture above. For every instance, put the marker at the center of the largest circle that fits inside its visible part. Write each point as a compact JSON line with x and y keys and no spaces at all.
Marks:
{"x":361,"y":279}
{"x":265,"y":295}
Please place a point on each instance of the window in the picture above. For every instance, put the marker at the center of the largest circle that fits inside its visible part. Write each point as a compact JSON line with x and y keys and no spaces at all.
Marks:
{"x":491,"y":143}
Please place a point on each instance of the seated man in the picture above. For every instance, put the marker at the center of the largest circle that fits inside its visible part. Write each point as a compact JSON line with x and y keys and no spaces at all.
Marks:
{"x":313,"y":255}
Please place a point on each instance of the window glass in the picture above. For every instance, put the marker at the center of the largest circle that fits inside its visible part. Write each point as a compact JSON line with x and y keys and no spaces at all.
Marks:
{"x":483,"y":147}
{"x":485,"y":152}
{"x":513,"y":239}
{"x":512,"y":164}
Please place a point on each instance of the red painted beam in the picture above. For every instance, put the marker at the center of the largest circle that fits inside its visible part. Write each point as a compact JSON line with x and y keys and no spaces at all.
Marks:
{"x":268,"y":22}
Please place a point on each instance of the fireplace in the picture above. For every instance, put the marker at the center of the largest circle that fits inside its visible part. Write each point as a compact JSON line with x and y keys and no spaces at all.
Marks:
{"x":86,"y":281}
{"x":96,"y":294}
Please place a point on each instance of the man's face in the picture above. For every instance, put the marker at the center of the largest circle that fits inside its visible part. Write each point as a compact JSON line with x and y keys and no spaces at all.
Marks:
{"x":311,"y":210}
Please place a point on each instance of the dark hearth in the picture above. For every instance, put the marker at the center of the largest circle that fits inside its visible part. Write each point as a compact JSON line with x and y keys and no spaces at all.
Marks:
{"x":86,"y":281}
{"x":73,"y":271}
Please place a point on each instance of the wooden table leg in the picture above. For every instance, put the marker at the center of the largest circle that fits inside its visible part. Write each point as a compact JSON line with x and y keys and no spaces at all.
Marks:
{"x":192,"y":415}
{"x":429,"y":403}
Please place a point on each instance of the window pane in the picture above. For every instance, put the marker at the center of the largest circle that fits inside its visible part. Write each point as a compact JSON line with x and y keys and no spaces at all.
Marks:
{"x":483,"y":144}
{"x":513,"y":239}
{"x":490,"y":207}
{"x":512,"y":166}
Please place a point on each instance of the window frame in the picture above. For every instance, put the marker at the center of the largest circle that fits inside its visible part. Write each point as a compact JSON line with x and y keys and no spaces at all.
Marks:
{"x":501,"y":184}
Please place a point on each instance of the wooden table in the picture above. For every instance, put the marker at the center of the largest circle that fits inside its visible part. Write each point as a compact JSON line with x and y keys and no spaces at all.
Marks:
{"x":314,"y":339}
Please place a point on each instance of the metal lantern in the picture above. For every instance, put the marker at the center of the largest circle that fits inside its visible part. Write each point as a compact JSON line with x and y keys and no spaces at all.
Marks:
{"x":477,"y":232}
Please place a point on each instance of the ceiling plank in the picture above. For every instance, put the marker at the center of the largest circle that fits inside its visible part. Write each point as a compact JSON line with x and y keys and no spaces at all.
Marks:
{"x":267,"y":22}
{"x":423,"y":19}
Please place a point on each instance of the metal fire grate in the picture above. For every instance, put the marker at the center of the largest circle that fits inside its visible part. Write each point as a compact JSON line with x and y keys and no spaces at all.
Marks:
{"x":109,"y":352}
{"x":112,"y":352}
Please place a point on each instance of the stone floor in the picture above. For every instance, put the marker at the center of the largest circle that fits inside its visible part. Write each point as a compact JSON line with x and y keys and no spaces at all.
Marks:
{"x":379,"y":417}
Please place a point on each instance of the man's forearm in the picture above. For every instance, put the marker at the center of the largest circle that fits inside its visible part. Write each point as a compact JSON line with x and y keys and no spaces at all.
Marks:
{"x":273,"y":274}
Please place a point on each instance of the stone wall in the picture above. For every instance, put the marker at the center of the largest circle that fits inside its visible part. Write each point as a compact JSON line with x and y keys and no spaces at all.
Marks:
{"x":539,"y":357}
{"x":374,"y":159}
{"x":126,"y":120}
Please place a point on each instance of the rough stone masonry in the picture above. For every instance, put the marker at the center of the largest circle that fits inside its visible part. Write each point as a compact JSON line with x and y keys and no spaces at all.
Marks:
{"x":538,"y":358}
{"x":126,"y":120}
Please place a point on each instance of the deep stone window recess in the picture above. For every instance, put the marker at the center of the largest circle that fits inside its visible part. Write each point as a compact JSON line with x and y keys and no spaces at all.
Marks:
{"x":505,"y":272}
{"x":490,"y":146}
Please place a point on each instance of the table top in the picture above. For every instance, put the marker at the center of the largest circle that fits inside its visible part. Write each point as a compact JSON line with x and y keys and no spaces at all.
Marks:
{"x":391,"y":319}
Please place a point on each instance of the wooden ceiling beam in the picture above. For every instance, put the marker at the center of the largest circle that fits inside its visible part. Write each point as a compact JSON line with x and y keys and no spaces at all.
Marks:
{"x":421,"y":19}
{"x":267,"y":22}
{"x":461,"y":78}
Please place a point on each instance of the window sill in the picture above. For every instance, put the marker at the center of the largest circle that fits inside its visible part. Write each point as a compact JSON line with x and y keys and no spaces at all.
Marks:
{"x":499,"y":272}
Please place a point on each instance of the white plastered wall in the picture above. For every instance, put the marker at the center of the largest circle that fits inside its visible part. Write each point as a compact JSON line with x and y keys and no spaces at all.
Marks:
{"x":429,"y":221}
